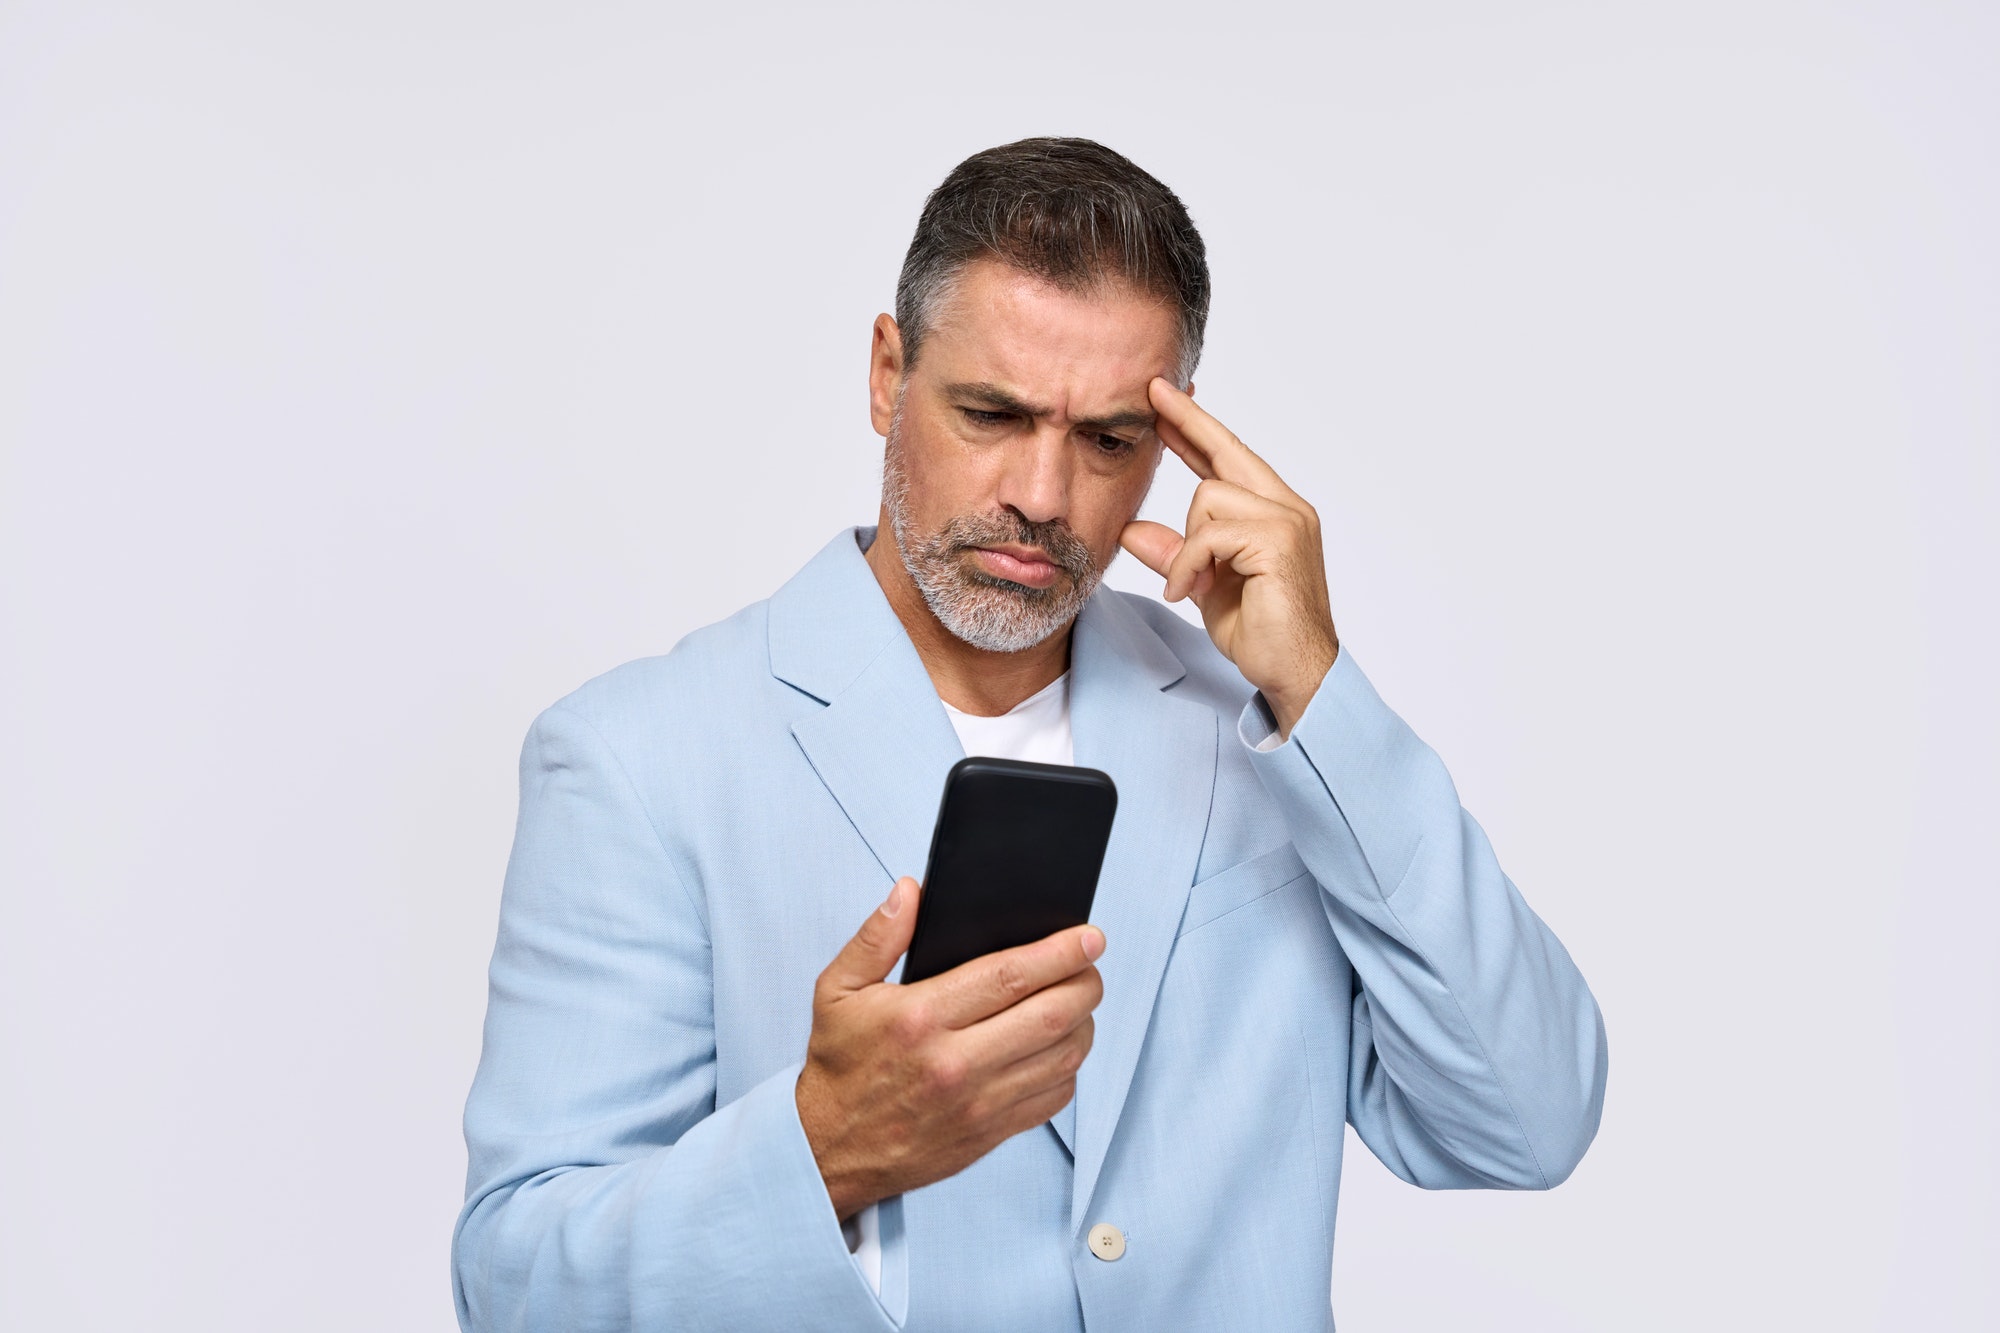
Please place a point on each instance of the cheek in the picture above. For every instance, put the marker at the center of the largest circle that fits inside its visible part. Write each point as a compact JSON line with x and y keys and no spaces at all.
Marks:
{"x":1112,"y":503}
{"x":936,"y":470}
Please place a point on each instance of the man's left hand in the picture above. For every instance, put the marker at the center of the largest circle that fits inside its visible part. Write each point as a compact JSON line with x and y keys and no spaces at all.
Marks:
{"x":1250,"y":559}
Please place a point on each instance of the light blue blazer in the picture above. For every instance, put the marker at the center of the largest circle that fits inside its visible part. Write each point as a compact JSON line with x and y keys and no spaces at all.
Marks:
{"x":1298,"y":939}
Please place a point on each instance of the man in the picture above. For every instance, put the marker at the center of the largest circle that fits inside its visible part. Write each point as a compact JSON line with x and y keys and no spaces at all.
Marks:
{"x":704,"y":1104}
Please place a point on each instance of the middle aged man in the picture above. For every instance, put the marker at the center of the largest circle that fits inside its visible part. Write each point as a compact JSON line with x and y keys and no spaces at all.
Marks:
{"x":686,"y":1116}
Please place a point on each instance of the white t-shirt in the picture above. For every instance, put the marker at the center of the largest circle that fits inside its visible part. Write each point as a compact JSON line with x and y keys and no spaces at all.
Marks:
{"x":1036,"y":730}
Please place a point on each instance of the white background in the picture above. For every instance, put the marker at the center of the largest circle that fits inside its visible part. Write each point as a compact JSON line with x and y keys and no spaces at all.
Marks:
{"x":372,"y":374}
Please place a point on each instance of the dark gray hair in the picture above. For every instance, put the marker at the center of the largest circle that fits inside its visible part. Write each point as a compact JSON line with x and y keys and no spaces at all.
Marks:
{"x":1068,"y":211}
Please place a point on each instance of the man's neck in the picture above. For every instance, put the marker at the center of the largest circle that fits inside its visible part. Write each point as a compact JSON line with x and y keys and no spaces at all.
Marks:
{"x":970,"y":679}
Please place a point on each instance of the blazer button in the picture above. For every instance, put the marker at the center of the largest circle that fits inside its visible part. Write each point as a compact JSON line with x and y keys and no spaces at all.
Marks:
{"x":1107,"y":1242}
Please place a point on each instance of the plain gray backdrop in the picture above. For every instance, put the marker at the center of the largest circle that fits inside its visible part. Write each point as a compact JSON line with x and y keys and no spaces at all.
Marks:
{"x":372,"y":374}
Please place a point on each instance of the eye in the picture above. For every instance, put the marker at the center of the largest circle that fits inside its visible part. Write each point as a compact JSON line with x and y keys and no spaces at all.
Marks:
{"x":982,"y":417}
{"x":1112,"y":444}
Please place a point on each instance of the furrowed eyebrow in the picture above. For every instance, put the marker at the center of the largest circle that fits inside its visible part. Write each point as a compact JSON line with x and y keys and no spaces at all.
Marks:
{"x":1134,"y":420}
{"x":994,"y":398}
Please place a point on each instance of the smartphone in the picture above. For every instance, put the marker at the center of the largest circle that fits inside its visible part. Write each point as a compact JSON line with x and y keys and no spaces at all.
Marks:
{"x":1014,"y":858}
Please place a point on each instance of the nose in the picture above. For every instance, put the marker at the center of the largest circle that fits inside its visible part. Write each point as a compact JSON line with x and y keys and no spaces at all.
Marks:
{"x":1035,"y":481}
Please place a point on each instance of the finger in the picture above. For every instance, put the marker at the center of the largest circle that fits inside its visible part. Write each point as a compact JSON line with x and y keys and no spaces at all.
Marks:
{"x":983,"y":987}
{"x":1182,"y":448}
{"x":1221,"y":502}
{"x":1219,"y":499}
{"x":1041,"y":1070}
{"x":1044,"y":1019}
{"x":1029,"y":1113}
{"x":1271,"y":487}
{"x":1152,"y":544}
{"x":1191,"y":432}
{"x":868,"y":957}
{"x":1234,"y":544}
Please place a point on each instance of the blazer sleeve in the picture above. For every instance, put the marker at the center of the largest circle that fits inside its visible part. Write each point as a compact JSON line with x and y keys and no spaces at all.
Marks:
{"x":606,"y":1189}
{"x":1478,"y":1054}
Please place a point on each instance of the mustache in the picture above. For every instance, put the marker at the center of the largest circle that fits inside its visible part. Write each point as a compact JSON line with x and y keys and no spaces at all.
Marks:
{"x":1053,"y":538}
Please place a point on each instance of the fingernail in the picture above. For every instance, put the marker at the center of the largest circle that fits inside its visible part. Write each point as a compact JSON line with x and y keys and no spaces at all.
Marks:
{"x":894,"y":902}
{"x":1093,"y":943}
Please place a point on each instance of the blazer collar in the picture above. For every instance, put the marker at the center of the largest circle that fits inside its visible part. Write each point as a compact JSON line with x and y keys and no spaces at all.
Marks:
{"x":882,"y":746}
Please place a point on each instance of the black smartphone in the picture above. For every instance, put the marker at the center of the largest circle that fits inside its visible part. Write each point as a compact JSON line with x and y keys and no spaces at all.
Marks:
{"x":1014,"y":858}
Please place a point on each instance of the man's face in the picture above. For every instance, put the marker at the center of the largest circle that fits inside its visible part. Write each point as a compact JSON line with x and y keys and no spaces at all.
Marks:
{"x":1019,"y":446}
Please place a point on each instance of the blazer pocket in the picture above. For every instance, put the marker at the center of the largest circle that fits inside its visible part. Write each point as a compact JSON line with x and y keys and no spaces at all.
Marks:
{"x":1240,"y":885}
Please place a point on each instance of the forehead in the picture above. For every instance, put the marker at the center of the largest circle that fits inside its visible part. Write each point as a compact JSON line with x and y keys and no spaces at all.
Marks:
{"x":1004,"y":326}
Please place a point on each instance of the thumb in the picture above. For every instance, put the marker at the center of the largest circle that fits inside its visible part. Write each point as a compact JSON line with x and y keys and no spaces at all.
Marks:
{"x":1153,"y":544}
{"x":867,"y":958}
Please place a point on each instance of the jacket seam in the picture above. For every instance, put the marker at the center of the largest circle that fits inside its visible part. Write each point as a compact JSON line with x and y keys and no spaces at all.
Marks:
{"x":639,"y":799}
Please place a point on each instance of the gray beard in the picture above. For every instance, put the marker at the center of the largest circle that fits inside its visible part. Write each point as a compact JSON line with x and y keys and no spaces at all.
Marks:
{"x":990,"y":613}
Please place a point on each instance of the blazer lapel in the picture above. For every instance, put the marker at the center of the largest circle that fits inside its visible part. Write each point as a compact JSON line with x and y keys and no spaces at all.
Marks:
{"x":882,"y":744}
{"x":1161,"y":752}
{"x":883,"y":749}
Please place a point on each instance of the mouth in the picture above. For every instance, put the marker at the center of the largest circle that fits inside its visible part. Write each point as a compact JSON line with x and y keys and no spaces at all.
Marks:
{"x":1018,"y":564}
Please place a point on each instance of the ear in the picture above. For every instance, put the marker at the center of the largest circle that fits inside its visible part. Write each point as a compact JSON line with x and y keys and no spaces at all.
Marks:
{"x":885,"y":373}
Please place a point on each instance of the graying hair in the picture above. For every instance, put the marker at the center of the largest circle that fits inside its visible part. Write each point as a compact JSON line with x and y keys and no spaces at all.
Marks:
{"x":1068,"y":211}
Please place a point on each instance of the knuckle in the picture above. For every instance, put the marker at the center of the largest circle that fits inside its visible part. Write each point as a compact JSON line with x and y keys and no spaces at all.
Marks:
{"x":1010,"y":977}
{"x":978,"y":1111}
{"x":1055,"y":1021}
{"x":913,"y":1025}
{"x":946,"y":1074}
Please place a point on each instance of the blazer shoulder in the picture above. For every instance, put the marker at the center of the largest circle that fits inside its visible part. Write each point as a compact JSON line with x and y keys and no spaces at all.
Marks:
{"x":705,"y":676}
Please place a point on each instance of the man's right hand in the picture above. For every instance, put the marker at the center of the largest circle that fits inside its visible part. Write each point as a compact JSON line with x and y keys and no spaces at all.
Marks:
{"x":905,"y":1085}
